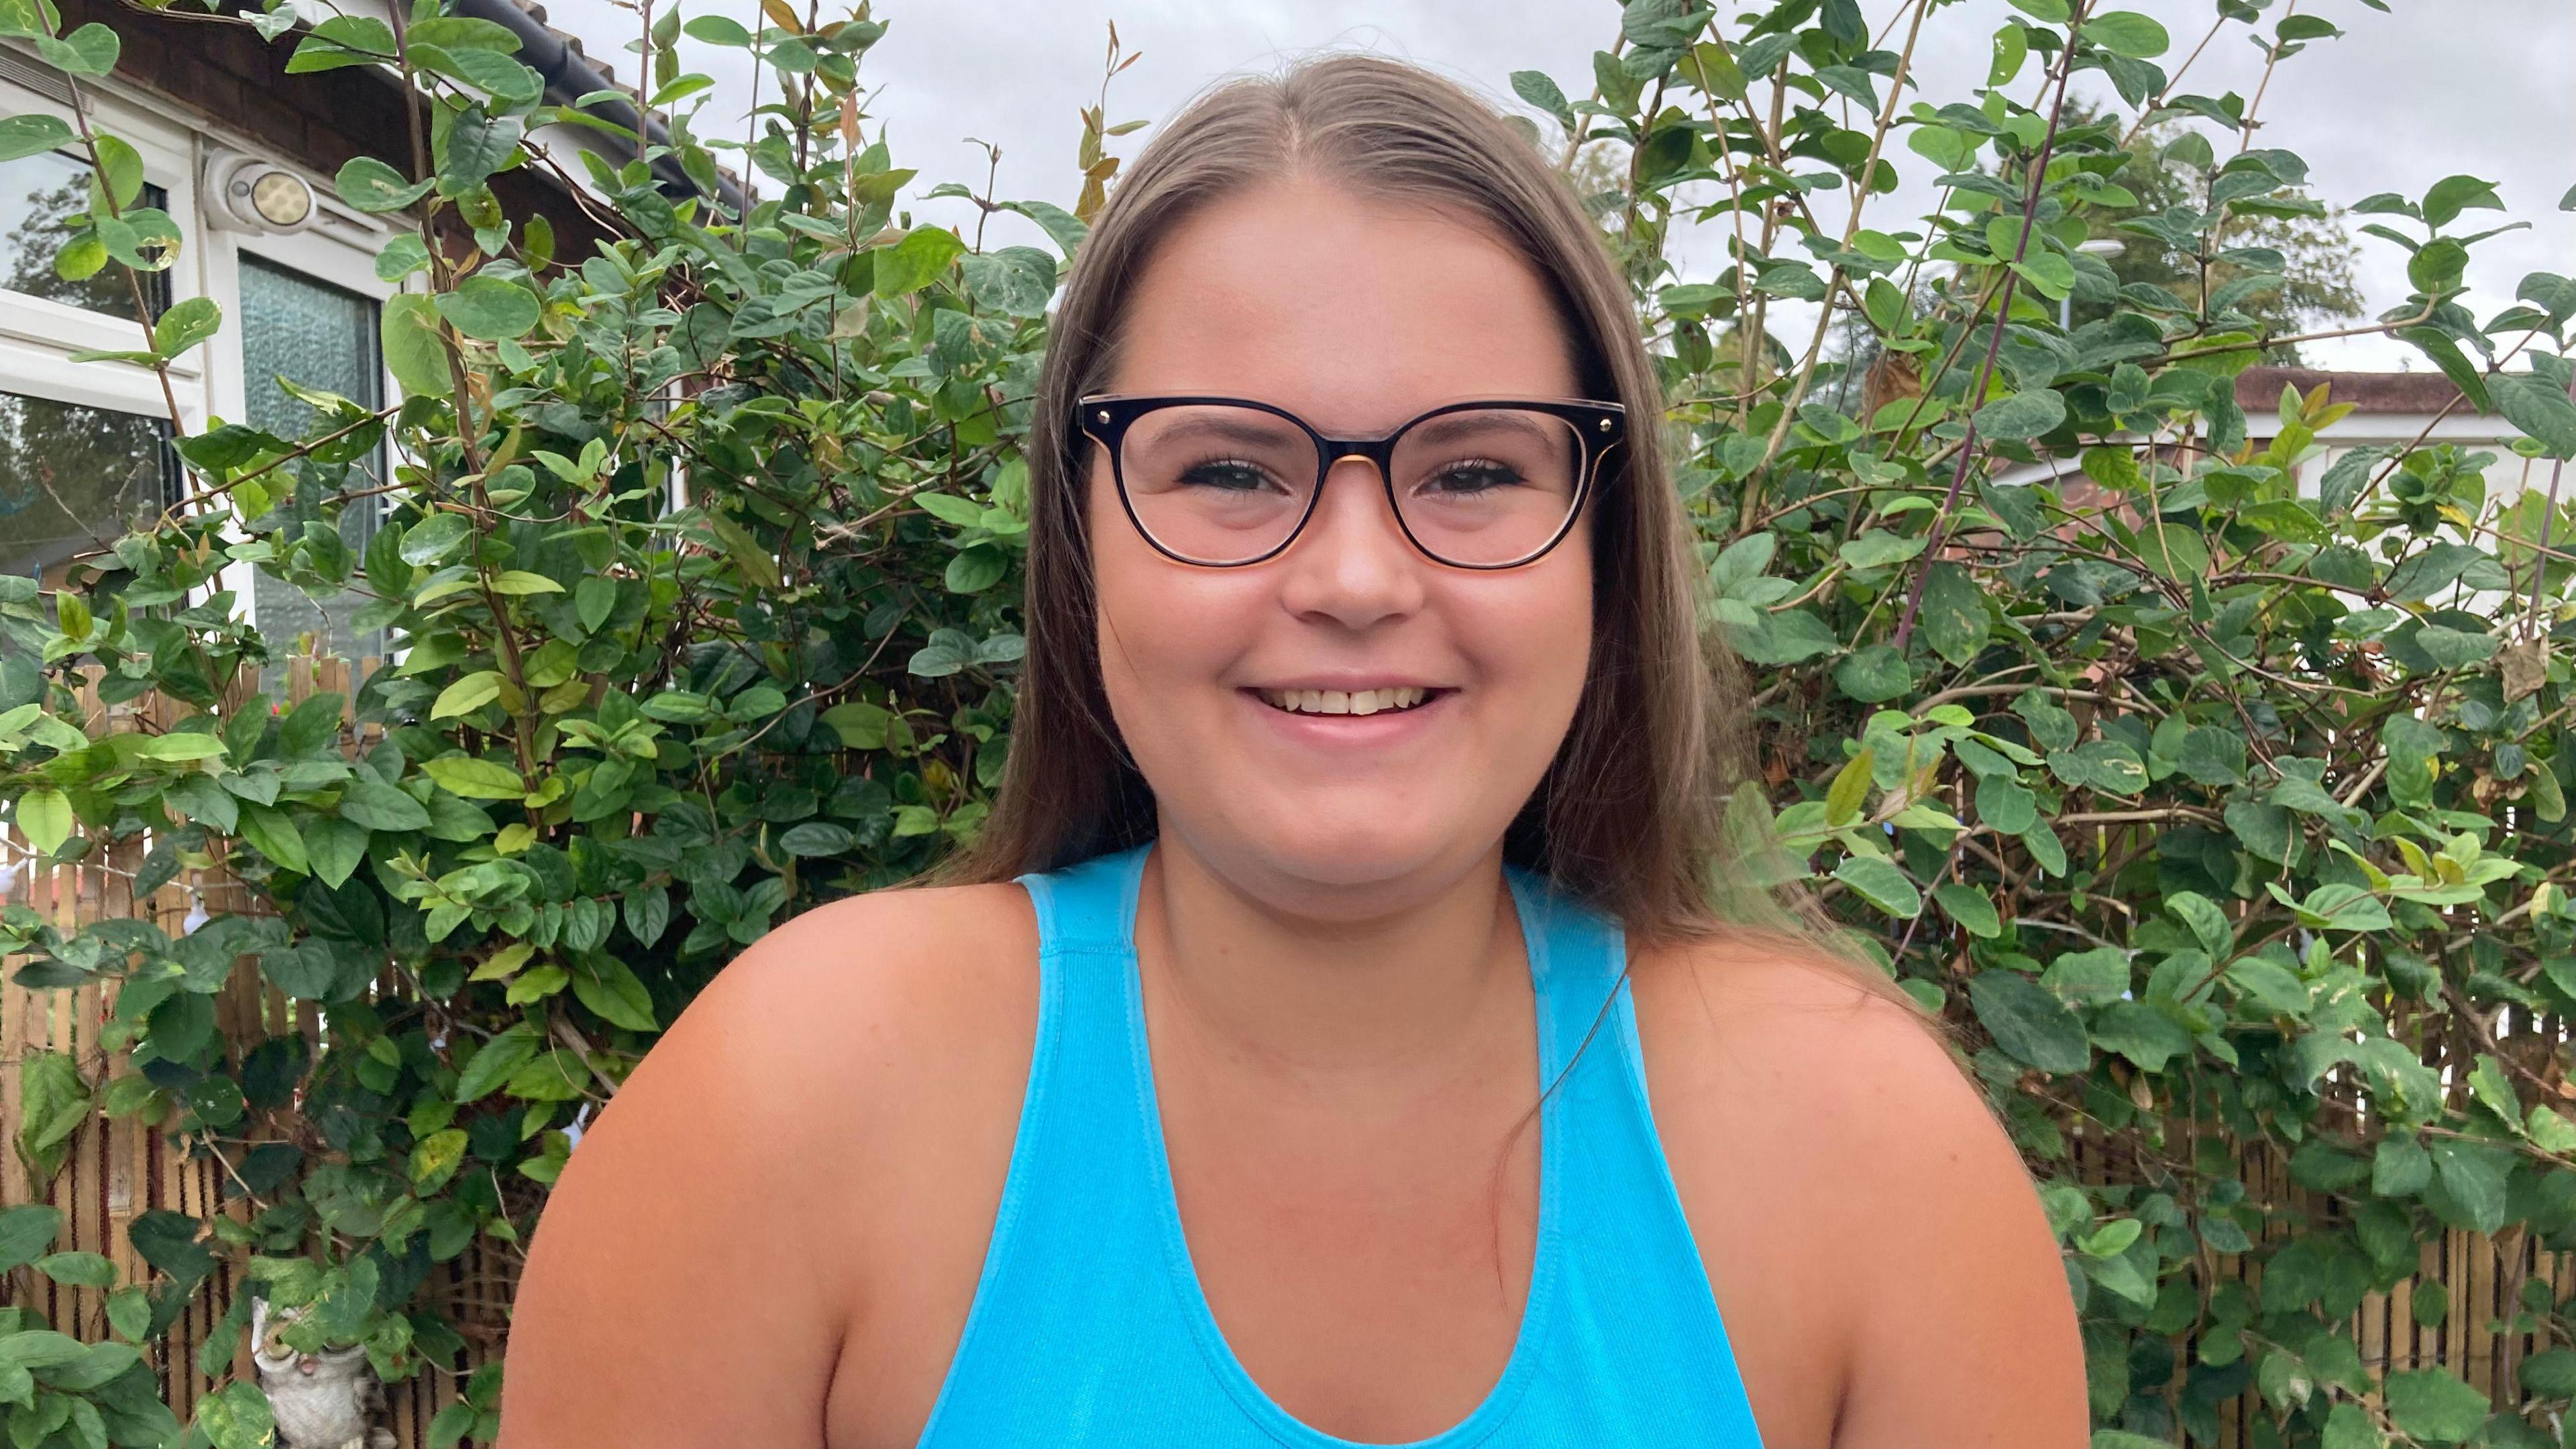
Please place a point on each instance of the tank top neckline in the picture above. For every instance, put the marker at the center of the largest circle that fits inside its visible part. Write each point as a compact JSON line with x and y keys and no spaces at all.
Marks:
{"x":1538,"y":1303}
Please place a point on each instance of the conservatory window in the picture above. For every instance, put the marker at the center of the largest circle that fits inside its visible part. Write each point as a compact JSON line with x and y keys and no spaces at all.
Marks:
{"x":73,"y":479}
{"x":36,"y":193}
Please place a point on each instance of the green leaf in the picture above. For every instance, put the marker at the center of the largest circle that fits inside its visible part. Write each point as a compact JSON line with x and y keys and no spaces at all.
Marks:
{"x":475,"y":779}
{"x":913,"y":263}
{"x":370,"y":185}
{"x":1791,"y":636}
{"x":2454,"y":194}
{"x":2020,"y":417}
{"x":2541,"y":410}
{"x":45,"y":818}
{"x":343,"y":40}
{"x":187,"y":323}
{"x":54,"y":1102}
{"x":25,"y":1233}
{"x":237,"y":1417}
{"x":594,"y":599}
{"x":757,"y":564}
{"x":520,"y":581}
{"x":1873,"y":674}
{"x":973,"y":570}
{"x":2400,"y":1167}
{"x":1968,"y":906}
{"x":2006,"y":805}
{"x":483,"y":139}
{"x":426,"y":543}
{"x":615,"y":993}
{"x":490,"y":309}
{"x":948,"y":651}
{"x":2126,"y":32}
{"x":1953,"y":619}
{"x":458,"y":32}
{"x":2550,"y":1375}
{"x":1061,"y":226}
{"x":2474,"y":1182}
{"x":435,"y":1158}
{"x":1540,"y":90}
{"x":716,"y":30}
{"x":494,"y":1063}
{"x":1850,"y":789}
{"x":2025,"y":1020}
{"x":413,"y":350}
{"x":31,"y":135}
{"x":2209,"y":925}
{"x":1881,"y":884}
{"x":273,"y":834}
{"x":2434,"y":1406}
{"x":467,"y":694}
{"x":2142,"y":1032}
{"x":77,"y":1270}
{"x":88,"y":51}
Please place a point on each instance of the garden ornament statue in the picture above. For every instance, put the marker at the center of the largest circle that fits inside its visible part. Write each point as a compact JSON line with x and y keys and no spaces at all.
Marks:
{"x":328,"y":1399}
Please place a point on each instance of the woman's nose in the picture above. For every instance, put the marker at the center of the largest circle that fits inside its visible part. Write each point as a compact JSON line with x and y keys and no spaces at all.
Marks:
{"x":1352,"y":562}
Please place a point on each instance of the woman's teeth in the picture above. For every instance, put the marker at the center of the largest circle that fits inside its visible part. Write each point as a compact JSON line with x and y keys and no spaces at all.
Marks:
{"x":1336,"y":701}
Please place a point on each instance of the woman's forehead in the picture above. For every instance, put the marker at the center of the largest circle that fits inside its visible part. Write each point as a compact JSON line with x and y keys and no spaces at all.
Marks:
{"x":1354,"y":311}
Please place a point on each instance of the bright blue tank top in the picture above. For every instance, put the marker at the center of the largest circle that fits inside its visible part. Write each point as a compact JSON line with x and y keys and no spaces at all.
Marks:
{"x":1089,"y":1327}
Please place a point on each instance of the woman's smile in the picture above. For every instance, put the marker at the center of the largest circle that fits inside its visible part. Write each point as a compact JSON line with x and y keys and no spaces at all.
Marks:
{"x":1345,"y":699}
{"x":1351,"y":719}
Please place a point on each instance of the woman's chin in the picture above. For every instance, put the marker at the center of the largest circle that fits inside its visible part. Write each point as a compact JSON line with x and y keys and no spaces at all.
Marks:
{"x":1358,"y":853}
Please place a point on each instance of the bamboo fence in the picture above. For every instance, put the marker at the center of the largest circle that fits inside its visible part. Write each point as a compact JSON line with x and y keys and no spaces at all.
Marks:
{"x":119,"y":1170}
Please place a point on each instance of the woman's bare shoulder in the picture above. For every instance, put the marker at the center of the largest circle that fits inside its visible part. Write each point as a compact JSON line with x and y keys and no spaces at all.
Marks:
{"x":856,"y":1071}
{"x":1852,"y":1192}
{"x":862,"y":1004}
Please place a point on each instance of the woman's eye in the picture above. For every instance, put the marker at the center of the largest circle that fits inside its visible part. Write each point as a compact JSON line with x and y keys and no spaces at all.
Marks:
{"x":1226,"y":477}
{"x":1472,"y":477}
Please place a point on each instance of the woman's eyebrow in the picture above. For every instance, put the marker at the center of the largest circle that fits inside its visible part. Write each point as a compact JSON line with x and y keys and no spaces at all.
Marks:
{"x":1210,"y":422}
{"x":1448,"y":427}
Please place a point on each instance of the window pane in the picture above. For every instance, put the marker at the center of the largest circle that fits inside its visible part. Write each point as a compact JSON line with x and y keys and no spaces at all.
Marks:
{"x":322,"y":338}
{"x":36,"y":193}
{"x":72,"y":480}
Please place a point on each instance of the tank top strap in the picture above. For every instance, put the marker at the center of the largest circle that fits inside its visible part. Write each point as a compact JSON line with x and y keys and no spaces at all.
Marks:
{"x":1578,"y":960}
{"x":1087,"y":907}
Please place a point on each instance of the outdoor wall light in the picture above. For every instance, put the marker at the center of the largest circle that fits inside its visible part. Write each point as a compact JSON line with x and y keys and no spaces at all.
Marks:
{"x":257,"y":196}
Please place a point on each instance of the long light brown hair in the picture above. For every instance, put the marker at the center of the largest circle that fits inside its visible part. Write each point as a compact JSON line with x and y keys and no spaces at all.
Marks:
{"x":1629,"y":814}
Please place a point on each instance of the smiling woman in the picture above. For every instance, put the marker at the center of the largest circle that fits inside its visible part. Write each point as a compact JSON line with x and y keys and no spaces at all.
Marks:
{"x":1330,"y":1038}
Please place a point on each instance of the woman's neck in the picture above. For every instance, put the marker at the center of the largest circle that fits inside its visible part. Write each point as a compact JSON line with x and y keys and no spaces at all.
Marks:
{"x":1411,"y":987}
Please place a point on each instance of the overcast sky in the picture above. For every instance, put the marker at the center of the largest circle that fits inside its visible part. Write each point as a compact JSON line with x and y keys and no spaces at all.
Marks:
{"x":2486,"y":87}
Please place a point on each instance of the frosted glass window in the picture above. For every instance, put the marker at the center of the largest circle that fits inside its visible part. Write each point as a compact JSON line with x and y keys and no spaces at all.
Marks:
{"x":73,"y":480}
{"x":36,"y":193}
{"x":323,"y":338}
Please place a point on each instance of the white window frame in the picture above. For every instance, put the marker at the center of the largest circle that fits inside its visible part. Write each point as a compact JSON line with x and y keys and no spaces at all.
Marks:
{"x":38,"y":336}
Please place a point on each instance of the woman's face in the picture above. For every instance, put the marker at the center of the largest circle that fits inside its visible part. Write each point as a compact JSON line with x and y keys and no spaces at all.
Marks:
{"x":1356,"y":316}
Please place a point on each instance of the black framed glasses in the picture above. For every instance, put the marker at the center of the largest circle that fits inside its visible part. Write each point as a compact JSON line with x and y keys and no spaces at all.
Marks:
{"x":1225,"y":482}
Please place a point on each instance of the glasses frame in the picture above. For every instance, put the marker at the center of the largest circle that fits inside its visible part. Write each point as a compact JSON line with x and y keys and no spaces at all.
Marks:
{"x":1601,"y":426}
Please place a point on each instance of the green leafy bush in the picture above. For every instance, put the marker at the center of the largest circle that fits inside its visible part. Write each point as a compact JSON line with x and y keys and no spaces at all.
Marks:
{"x":2220,"y":804}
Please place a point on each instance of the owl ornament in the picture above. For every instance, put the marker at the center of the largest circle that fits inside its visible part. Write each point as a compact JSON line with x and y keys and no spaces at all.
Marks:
{"x":325,"y":1400}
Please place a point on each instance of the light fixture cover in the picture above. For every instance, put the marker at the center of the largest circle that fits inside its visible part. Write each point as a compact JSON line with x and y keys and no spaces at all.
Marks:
{"x":245,"y":193}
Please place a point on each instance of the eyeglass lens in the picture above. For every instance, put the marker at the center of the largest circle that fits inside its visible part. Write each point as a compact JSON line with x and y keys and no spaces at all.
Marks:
{"x":1217,"y":484}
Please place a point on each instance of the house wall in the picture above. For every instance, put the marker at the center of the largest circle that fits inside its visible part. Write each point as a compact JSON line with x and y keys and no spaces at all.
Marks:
{"x":219,"y":70}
